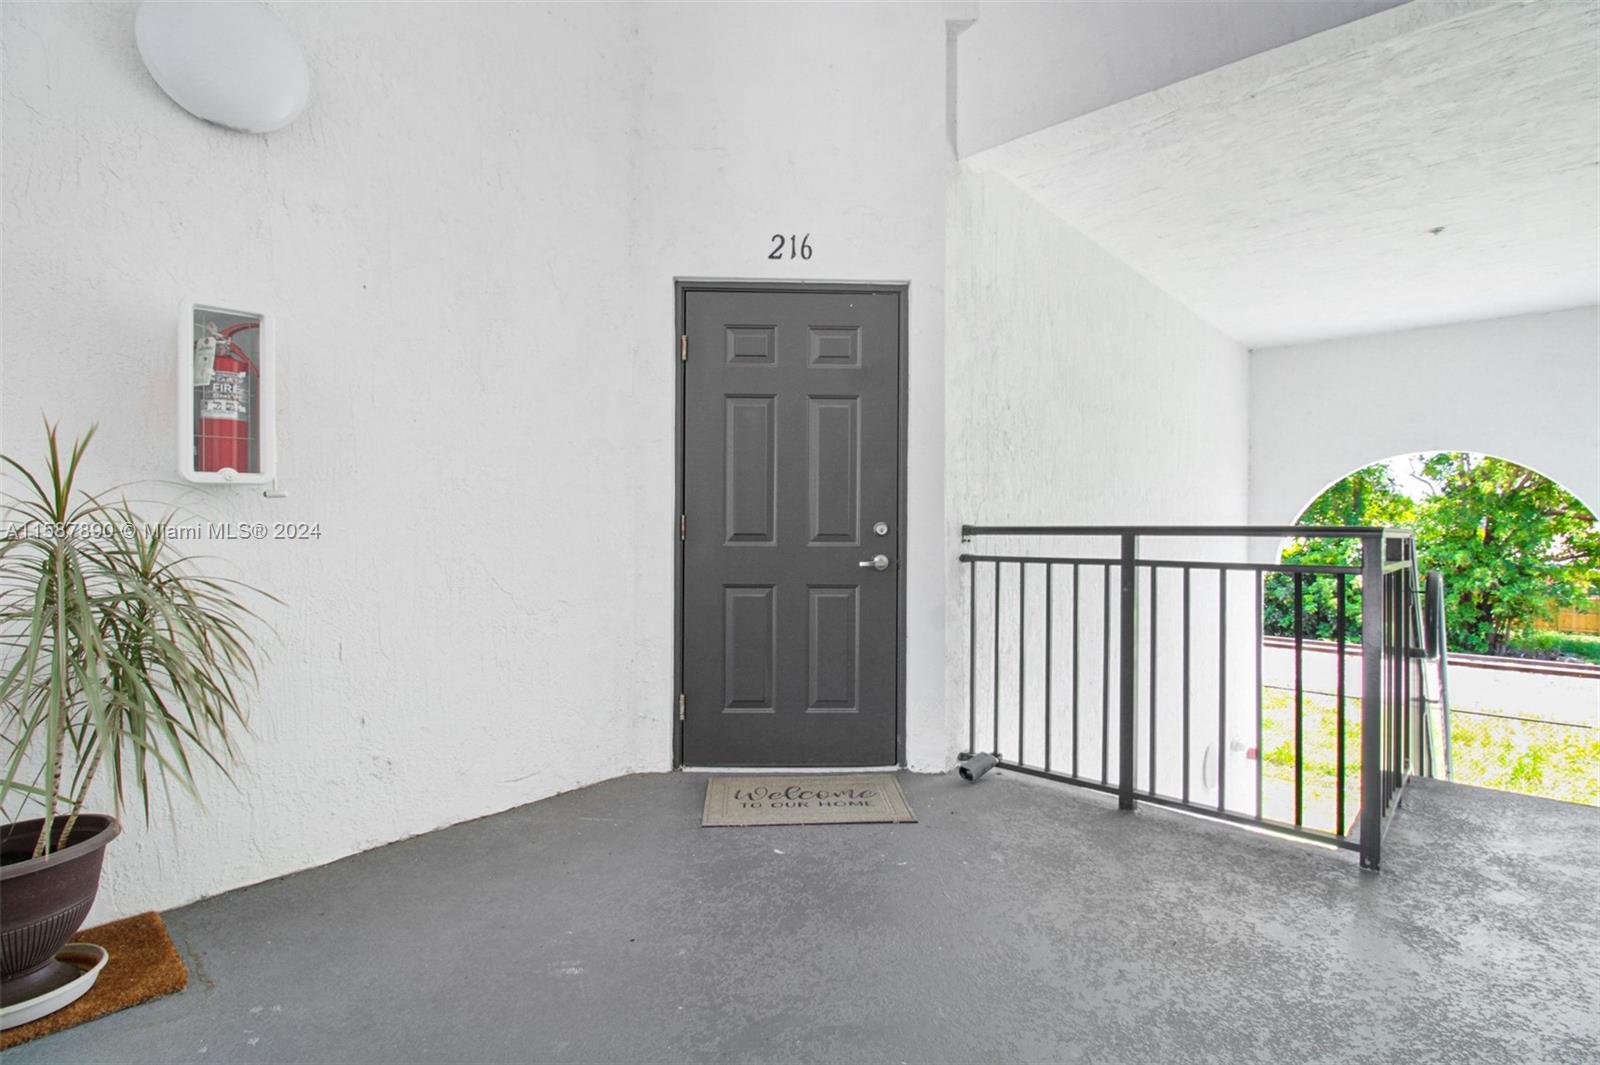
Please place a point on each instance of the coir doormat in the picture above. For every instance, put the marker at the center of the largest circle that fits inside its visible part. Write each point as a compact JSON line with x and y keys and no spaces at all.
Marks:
{"x":143,"y":965}
{"x":810,"y":800}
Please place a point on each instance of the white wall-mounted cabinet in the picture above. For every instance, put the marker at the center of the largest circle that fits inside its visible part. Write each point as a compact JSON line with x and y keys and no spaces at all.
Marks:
{"x":227,"y":377}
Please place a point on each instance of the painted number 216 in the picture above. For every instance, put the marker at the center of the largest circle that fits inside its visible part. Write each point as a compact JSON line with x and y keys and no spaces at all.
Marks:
{"x":798,"y":248}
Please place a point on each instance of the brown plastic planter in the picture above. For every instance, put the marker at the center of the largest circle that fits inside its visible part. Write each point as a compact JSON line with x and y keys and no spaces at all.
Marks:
{"x":43,"y":901}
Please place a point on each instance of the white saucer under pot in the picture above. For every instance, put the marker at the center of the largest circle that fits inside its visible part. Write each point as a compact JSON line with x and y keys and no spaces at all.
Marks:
{"x":87,"y":958}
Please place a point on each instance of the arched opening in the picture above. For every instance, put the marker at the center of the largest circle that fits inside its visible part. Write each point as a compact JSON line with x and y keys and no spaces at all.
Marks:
{"x":1519,"y":556}
{"x":1515,"y":547}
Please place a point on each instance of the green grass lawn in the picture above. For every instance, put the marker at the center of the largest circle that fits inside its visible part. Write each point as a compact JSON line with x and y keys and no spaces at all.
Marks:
{"x":1555,"y":761}
{"x":1320,"y":744}
{"x":1576,"y":644}
{"x":1534,"y":758}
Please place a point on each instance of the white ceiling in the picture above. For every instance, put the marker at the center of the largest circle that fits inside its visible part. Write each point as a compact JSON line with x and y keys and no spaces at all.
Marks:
{"x":1291,"y":196}
{"x":1024,"y":66}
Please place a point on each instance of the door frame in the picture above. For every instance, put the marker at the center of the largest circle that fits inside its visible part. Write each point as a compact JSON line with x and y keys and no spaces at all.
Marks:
{"x":901,"y":290}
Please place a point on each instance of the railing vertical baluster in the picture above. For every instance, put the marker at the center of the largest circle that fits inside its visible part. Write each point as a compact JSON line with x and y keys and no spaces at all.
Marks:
{"x":1394,"y":687}
{"x":1421,"y":734}
{"x":972,"y":657}
{"x":1434,"y":583}
{"x":1372,"y":793}
{"x":1186,"y":571}
{"x":1261,"y":631}
{"x":1076,"y":600}
{"x":1105,"y":677}
{"x":1299,"y":696}
{"x":1155,"y":588}
{"x":1408,"y":739}
{"x":1022,"y":660}
{"x":1049,"y":619}
{"x":1402,"y":655}
{"x":996,"y":747}
{"x":1399,"y":684}
{"x":1388,"y":692}
{"x":1405,"y":611}
{"x":1398,"y":657}
{"x":1128,"y":665}
{"x":1222,"y":690}
{"x":1399,"y":661}
{"x":1384,"y":696}
{"x":1417,"y":721}
{"x":1338,"y":707}
{"x":1403,"y":664}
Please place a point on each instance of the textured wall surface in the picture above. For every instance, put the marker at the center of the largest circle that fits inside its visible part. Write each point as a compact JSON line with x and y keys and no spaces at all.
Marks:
{"x":456,"y":642}
{"x":470,"y":240}
{"x":1525,"y":388}
{"x":1078,"y":393}
{"x":1294,"y":196}
{"x":763,"y":119}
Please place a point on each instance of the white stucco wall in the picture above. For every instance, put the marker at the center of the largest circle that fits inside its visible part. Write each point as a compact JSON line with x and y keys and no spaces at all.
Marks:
{"x":1078,"y":393}
{"x":761,"y":119}
{"x":470,"y":240}
{"x":1525,"y":388}
{"x":443,"y":239}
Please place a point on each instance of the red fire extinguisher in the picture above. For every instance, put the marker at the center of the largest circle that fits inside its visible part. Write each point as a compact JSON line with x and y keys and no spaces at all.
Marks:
{"x":226,"y":409}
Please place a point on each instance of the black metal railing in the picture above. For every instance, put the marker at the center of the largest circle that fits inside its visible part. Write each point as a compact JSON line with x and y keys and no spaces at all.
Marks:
{"x":1437,"y":641}
{"x":1143,"y":676}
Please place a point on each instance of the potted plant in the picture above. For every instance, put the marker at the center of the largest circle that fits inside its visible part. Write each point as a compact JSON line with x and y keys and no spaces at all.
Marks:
{"x":121,"y":667}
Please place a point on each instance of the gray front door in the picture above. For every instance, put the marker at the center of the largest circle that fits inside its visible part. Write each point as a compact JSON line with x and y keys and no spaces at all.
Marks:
{"x":791,"y":482}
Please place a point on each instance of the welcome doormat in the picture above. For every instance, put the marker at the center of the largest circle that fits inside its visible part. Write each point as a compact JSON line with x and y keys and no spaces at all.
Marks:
{"x":873,"y":798}
{"x":143,"y":965}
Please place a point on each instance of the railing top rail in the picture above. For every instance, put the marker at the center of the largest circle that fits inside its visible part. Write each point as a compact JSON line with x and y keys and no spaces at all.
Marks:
{"x":1164,"y":563}
{"x":1320,"y":531}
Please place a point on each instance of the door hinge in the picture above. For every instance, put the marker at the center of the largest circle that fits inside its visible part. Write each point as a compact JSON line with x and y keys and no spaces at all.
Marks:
{"x":683,"y":348}
{"x":680,"y":706}
{"x":683,"y":526}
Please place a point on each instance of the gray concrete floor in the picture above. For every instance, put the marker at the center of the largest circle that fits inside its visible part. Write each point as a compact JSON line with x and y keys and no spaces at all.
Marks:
{"x":1019,"y":921}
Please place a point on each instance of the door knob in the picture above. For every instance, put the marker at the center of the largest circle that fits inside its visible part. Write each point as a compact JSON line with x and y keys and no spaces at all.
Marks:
{"x":879,"y":562}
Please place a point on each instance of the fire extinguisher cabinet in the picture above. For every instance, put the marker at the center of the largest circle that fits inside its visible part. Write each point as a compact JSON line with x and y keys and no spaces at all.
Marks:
{"x":227,"y":412}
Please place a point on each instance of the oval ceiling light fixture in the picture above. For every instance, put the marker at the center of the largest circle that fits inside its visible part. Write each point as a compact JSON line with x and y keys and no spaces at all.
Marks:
{"x":233,"y":64}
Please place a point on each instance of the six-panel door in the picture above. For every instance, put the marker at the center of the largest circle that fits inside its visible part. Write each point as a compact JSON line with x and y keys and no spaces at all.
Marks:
{"x":791,"y":482}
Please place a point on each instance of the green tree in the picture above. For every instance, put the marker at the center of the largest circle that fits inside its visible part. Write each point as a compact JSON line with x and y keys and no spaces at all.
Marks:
{"x":1512,"y":545}
{"x":1368,"y":496}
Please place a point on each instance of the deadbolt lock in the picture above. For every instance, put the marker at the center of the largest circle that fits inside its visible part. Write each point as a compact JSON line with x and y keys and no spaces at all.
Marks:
{"x":881,"y":528}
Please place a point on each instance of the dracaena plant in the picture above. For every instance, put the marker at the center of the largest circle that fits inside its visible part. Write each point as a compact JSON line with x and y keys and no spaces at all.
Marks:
{"x":119,"y":660}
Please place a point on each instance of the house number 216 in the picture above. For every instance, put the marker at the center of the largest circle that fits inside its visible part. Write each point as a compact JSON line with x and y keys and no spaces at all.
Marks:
{"x":798,"y":248}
